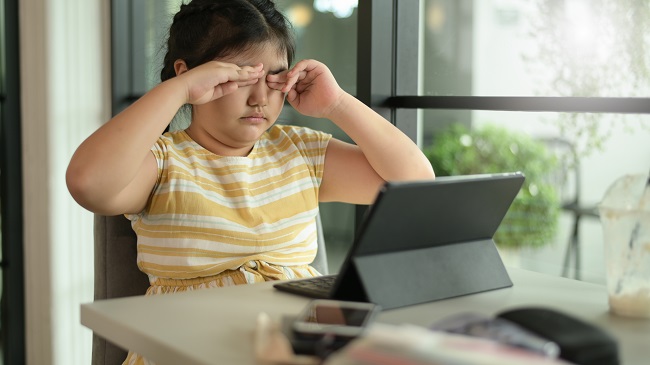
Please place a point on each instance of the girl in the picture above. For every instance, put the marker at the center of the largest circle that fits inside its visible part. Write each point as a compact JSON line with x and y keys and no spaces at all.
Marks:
{"x":233,"y":198}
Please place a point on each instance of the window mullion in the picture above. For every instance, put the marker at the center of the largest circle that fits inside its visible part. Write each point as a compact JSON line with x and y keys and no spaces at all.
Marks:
{"x":375,"y":54}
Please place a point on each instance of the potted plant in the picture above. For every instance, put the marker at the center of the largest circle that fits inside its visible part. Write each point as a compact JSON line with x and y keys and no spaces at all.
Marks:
{"x":533,"y":217}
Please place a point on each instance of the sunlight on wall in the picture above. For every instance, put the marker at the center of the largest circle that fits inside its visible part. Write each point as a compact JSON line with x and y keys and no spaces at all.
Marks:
{"x":64,"y":99}
{"x":78,"y":100}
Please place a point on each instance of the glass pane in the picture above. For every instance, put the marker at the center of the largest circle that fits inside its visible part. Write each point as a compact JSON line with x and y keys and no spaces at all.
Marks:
{"x":536,"y":48}
{"x":510,"y":141}
{"x":326,"y":31}
{"x":150,"y":23}
{"x":328,"y":35}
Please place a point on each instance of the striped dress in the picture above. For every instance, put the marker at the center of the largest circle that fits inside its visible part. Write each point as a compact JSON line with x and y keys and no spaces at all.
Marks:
{"x":215,"y":221}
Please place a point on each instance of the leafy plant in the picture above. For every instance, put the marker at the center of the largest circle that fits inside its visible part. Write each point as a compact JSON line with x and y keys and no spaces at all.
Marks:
{"x":533,"y":217}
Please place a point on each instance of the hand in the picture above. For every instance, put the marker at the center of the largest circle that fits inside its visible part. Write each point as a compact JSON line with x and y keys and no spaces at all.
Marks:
{"x":215,"y":79}
{"x":311,"y":88}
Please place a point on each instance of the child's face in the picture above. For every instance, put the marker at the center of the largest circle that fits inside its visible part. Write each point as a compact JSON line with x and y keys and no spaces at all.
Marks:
{"x":238,"y":120}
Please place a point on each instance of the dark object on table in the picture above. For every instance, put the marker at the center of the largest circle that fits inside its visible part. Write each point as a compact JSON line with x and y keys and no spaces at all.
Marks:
{"x":580,"y":342}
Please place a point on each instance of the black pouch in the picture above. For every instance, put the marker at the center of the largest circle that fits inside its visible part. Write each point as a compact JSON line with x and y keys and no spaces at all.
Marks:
{"x":580,"y":342}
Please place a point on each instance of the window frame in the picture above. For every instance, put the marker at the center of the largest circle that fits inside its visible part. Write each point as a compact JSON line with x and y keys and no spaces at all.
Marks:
{"x":12,"y":303}
{"x":389,"y":71}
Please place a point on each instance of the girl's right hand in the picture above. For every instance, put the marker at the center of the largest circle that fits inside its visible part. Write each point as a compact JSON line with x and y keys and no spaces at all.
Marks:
{"x":215,"y":79}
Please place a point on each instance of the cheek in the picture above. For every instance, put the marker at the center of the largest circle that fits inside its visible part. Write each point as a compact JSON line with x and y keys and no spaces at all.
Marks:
{"x":272,"y":95}
{"x":231,"y":102}
{"x":276,"y":98}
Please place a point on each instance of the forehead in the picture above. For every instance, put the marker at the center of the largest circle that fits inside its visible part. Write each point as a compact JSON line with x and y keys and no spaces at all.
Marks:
{"x":268,"y":53}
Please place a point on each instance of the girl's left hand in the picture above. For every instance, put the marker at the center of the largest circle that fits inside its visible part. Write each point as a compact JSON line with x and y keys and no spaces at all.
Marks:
{"x":311,"y":88}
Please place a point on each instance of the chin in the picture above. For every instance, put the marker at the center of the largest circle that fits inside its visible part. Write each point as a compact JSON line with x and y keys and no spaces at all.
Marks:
{"x":251,"y":136}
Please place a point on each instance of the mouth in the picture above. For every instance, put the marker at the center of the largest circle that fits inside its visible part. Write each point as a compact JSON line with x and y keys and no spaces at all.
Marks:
{"x":254,"y":118}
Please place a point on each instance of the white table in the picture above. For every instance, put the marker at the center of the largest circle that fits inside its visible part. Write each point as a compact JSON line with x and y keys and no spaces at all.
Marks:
{"x":215,"y":326}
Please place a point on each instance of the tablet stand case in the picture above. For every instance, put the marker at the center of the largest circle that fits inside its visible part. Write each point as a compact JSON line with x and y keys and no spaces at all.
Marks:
{"x":439,"y":246}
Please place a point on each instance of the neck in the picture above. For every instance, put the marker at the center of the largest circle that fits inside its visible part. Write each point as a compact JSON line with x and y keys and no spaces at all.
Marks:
{"x":214,"y":145}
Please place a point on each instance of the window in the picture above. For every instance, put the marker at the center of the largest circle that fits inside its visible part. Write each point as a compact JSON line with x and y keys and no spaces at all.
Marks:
{"x":575,"y":69}
{"x":572,"y":68}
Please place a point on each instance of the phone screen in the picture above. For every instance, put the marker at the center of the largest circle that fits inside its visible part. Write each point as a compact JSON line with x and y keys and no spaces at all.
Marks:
{"x":336,"y":315}
{"x":347,"y":319}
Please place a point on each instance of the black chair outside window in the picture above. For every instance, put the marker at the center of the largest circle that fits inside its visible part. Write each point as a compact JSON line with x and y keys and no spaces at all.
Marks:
{"x":567,"y":178}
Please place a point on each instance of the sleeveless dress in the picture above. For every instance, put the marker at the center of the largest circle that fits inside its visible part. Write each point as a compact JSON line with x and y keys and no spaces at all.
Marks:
{"x":215,"y":221}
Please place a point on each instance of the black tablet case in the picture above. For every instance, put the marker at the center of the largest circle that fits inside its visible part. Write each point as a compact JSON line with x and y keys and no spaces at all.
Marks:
{"x":425,"y":241}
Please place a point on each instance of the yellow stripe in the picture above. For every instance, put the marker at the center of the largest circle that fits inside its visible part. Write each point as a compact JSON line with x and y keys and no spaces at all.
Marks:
{"x":241,"y":188}
{"x":183,"y":203}
{"x":261,"y":205}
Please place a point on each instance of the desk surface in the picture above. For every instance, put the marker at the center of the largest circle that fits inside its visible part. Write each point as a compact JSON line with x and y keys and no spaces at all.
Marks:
{"x":215,"y":326}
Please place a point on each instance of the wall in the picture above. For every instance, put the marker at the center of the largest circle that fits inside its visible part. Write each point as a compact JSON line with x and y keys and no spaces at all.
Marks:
{"x":65,"y":84}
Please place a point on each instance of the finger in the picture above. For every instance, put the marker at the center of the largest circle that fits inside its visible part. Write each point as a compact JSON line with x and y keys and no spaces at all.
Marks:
{"x":253,"y":78}
{"x":241,"y":83}
{"x":250,"y":73}
{"x":274,"y":82}
{"x":292,"y":76}
{"x":292,"y":80}
{"x":275,"y":85}
{"x":301,"y":66}
{"x":224,"y":89}
{"x":291,"y":95}
{"x":277,"y":81}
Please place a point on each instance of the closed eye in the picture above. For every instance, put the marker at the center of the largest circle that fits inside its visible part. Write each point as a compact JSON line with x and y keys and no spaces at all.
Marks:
{"x":275,"y":72}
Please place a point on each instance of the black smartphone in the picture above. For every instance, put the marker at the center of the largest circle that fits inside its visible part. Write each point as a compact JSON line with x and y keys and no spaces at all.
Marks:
{"x":342,"y":320}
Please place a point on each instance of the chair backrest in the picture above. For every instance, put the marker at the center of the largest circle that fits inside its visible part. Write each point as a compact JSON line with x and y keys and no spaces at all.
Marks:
{"x":117,"y":275}
{"x":566,"y":175}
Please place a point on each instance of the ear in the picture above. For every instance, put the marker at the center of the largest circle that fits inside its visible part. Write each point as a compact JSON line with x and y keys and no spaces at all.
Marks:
{"x":179,"y":67}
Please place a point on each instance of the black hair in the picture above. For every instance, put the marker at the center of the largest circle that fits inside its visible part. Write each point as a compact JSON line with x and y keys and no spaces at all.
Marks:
{"x":204,"y":30}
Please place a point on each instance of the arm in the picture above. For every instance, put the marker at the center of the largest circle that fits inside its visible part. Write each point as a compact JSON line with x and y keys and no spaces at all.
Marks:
{"x":353,"y":173}
{"x":113,"y":171}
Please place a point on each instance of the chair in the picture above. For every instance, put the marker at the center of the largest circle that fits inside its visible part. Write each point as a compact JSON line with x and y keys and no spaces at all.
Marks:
{"x":117,"y":275}
{"x":567,"y":179}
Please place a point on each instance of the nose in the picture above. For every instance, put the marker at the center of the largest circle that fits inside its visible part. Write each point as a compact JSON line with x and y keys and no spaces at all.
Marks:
{"x":259,"y":93}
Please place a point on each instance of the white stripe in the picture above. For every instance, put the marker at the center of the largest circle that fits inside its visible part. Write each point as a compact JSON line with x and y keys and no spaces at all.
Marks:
{"x":226,"y":248}
{"x":234,"y":174}
{"x":212,"y":222}
{"x":245,"y":201}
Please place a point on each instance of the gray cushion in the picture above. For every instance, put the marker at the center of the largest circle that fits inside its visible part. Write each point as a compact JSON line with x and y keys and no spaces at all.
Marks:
{"x":116,"y":275}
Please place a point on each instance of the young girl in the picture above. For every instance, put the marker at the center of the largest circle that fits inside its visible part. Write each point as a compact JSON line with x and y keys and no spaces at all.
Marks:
{"x":233,"y":198}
